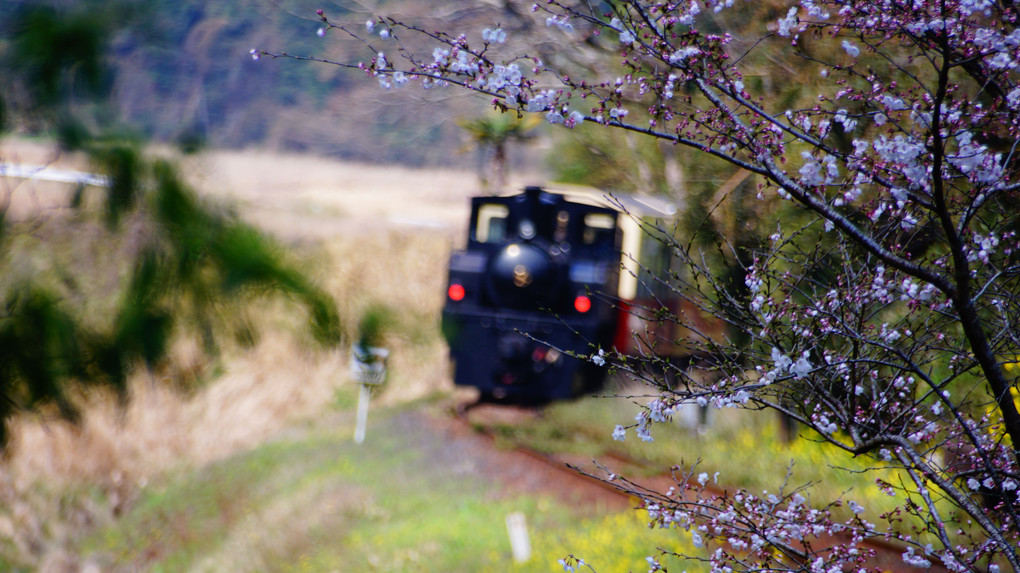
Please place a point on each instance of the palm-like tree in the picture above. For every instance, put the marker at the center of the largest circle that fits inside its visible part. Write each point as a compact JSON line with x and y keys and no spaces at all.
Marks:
{"x":492,"y":134}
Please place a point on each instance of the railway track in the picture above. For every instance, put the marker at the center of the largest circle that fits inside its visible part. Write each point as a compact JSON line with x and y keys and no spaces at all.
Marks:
{"x":887,"y":555}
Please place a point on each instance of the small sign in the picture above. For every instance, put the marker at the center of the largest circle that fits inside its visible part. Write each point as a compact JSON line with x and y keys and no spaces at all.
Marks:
{"x":368,"y":365}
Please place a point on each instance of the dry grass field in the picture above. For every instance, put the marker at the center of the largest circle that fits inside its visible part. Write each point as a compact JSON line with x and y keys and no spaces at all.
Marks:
{"x":373,"y":235}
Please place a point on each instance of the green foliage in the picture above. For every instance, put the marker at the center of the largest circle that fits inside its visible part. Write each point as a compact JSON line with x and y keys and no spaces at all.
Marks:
{"x":721,"y":220}
{"x":59,"y":55}
{"x":746,"y":448}
{"x":618,"y":542}
{"x":39,"y":346}
{"x":218,"y":254}
{"x":496,"y":129}
{"x":122,"y":164}
{"x":609,"y":159}
{"x":170,"y":266}
{"x":318,"y":502}
{"x":143,"y":326}
{"x":192,"y":262}
{"x":492,"y":134}
{"x":373,"y":326}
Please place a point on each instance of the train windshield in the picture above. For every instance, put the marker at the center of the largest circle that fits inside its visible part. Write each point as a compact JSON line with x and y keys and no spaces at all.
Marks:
{"x":599,"y":229}
{"x":491,"y":226}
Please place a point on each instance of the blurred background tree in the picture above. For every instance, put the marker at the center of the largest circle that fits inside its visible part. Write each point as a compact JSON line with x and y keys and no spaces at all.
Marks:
{"x":493,"y":134}
{"x":180,"y":71}
{"x":94,"y":292}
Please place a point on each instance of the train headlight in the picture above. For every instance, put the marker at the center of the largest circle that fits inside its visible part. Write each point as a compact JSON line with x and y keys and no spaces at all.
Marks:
{"x":527,"y":230}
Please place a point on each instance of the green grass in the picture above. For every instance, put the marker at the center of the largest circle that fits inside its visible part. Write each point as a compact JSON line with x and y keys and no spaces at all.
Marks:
{"x":743,"y":446}
{"x":174,"y":524}
{"x":315,"y":501}
{"x":312,"y":500}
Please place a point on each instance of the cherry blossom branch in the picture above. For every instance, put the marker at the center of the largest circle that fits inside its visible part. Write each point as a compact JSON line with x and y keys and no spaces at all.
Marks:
{"x":881,"y":312}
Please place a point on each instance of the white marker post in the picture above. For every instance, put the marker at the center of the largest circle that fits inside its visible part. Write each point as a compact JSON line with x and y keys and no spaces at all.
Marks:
{"x":520,"y":544}
{"x":368,"y":368}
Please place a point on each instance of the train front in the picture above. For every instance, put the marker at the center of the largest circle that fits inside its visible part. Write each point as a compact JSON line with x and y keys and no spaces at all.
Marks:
{"x":529,"y":290}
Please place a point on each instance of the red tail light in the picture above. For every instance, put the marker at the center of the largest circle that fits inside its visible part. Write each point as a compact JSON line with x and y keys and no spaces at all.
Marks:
{"x":455,"y":292}
{"x":582,"y":303}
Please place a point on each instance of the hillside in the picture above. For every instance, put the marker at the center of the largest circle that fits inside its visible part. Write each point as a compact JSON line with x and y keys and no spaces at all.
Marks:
{"x":181,"y":71}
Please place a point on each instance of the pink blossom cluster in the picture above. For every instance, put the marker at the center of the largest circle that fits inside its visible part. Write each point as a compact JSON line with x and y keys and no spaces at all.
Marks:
{"x":774,"y":532}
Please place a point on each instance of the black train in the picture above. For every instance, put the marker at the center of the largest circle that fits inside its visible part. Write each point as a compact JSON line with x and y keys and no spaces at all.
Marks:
{"x":540,"y":278}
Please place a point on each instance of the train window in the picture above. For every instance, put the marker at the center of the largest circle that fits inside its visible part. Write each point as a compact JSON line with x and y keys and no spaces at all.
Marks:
{"x":599,"y":228}
{"x":491,"y":224}
{"x":656,"y":261}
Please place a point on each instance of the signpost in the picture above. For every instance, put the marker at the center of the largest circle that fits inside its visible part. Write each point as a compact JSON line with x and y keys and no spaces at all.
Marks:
{"x":368,"y":368}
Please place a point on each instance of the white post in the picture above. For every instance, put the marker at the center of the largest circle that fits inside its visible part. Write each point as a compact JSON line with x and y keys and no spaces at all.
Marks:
{"x":368,"y":368}
{"x":520,"y":545}
{"x":359,"y":430}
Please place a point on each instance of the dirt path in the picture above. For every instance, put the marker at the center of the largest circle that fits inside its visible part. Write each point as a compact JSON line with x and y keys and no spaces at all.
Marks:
{"x":520,"y":472}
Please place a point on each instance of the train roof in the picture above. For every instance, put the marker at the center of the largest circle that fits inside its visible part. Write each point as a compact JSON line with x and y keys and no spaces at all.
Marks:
{"x":637,"y":205}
